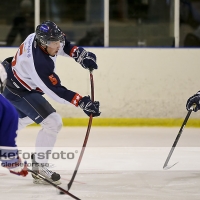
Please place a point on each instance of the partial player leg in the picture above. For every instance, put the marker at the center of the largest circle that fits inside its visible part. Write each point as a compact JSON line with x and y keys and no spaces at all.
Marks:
{"x":23,"y":122}
{"x":46,"y":137}
{"x":45,"y":141}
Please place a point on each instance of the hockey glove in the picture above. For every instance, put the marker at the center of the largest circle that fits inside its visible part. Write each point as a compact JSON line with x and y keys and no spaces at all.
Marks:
{"x":83,"y":57}
{"x":17,"y":168}
{"x":89,"y":107}
{"x":195,"y":99}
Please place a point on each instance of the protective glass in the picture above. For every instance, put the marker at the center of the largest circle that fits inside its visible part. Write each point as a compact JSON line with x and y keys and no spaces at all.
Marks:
{"x":56,"y":43}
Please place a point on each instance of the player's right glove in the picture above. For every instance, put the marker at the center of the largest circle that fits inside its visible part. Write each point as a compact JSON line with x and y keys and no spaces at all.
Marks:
{"x":195,"y":99}
{"x":17,"y":168}
{"x":90,"y":107}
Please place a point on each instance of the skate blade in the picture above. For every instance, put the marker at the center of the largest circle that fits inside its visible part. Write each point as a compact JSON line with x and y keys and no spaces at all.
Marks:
{"x":40,"y":181}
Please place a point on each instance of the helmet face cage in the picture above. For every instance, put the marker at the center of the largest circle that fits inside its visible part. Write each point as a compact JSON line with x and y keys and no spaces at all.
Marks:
{"x":48,"y":33}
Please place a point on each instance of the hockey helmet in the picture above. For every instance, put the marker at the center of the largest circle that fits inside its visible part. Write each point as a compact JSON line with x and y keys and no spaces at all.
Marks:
{"x":48,"y":33}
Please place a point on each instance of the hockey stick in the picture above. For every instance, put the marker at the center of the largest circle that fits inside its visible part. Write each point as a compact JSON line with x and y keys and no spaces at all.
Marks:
{"x":86,"y":136}
{"x":56,"y":186}
{"x":166,"y":167}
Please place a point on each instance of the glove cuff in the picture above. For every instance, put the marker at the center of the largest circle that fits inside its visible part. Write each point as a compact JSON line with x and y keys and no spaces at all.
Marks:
{"x":72,"y":52}
{"x":20,"y":170}
{"x":78,"y":54}
{"x":76,"y":99}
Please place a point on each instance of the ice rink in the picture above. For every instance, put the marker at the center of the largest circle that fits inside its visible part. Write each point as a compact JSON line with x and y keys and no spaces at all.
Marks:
{"x":118,"y":163}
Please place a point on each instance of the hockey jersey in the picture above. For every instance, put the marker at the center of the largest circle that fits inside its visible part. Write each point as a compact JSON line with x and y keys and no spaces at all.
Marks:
{"x":8,"y":129}
{"x":32,"y":69}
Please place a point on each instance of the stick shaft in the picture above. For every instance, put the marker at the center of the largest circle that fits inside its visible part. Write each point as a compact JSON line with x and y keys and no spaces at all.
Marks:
{"x":54,"y":185}
{"x":177,"y":137}
{"x":86,"y":136}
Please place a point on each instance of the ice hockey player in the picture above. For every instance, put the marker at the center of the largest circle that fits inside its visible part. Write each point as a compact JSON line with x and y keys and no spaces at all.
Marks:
{"x":8,"y":127}
{"x":31,"y":73}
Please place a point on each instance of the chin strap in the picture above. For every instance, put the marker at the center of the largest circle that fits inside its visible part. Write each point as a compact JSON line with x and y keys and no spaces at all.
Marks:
{"x":44,"y":49}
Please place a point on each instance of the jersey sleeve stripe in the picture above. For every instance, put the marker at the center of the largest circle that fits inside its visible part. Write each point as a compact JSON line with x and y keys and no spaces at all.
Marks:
{"x":8,"y":148}
{"x":76,"y":99}
{"x":73,"y":50}
{"x":21,"y":81}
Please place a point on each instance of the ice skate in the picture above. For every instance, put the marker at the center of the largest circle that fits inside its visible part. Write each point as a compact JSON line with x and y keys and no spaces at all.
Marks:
{"x":44,"y":171}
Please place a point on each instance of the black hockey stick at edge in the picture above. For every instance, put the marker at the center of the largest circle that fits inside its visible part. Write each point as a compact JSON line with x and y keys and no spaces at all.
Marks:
{"x":56,"y":186}
{"x":86,"y":136}
{"x":166,"y":167}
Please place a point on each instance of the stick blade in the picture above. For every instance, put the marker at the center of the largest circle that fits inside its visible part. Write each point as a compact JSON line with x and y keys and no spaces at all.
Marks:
{"x":166,"y":167}
{"x":61,"y":192}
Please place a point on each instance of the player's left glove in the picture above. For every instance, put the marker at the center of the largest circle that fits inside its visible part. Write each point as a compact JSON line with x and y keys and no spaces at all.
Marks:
{"x":85,"y":58}
{"x":89,"y":107}
{"x":195,"y":99}
{"x":17,"y":168}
